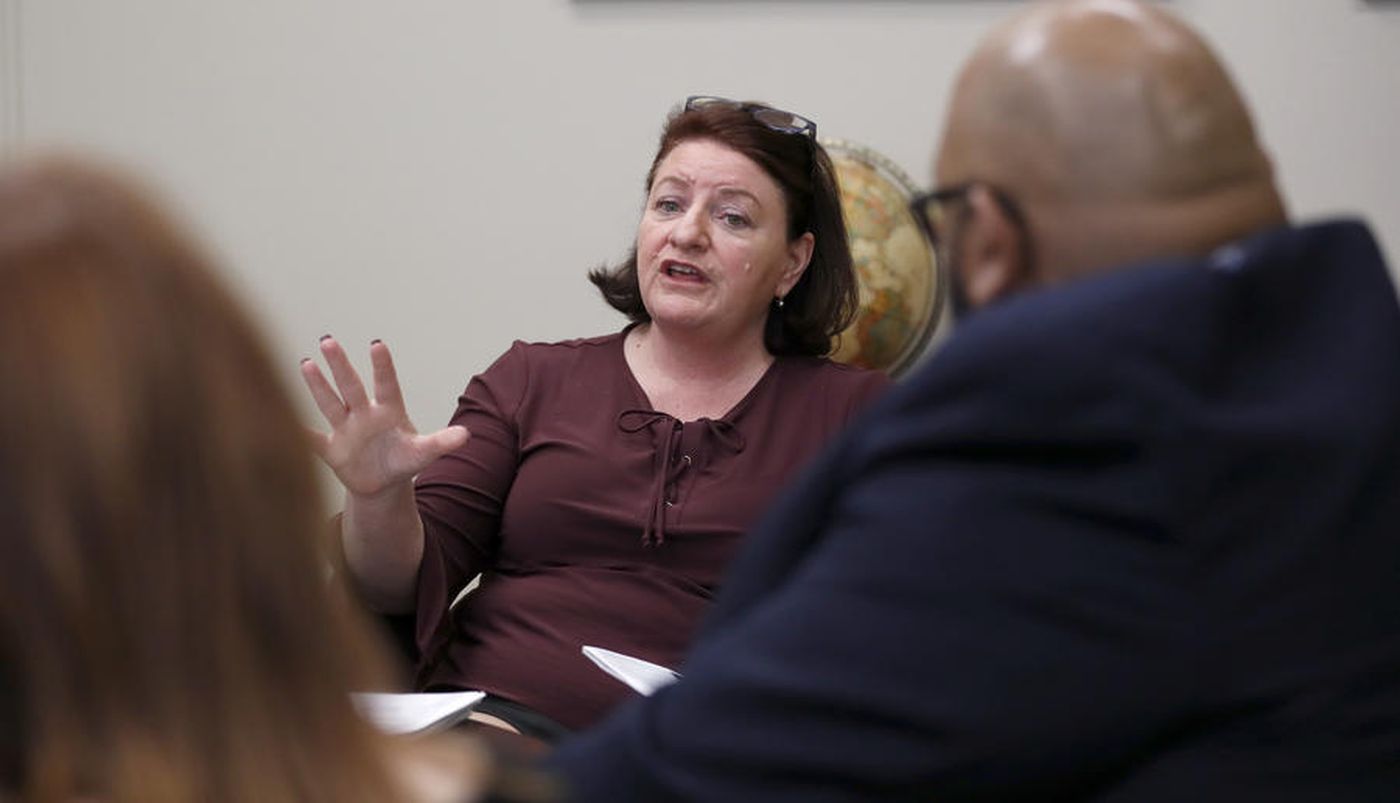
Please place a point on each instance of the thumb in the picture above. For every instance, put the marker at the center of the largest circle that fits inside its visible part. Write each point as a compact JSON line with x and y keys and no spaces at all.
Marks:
{"x":436,"y":444}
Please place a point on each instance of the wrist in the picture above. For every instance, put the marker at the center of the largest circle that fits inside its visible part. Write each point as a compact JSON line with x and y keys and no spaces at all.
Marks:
{"x":396,"y":495}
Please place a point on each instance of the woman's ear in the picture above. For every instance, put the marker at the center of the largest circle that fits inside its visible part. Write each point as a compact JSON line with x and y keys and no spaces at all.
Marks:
{"x":799,"y":257}
{"x":991,"y":251}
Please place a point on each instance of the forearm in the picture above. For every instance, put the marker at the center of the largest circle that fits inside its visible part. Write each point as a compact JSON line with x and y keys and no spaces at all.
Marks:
{"x":382,"y":536}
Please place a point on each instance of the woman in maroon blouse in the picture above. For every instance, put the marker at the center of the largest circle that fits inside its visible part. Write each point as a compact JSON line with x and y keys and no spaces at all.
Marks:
{"x":608,"y":481}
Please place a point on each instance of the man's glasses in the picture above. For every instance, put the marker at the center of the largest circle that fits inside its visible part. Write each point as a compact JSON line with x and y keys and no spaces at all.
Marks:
{"x":776,"y":119}
{"x":934,"y":209}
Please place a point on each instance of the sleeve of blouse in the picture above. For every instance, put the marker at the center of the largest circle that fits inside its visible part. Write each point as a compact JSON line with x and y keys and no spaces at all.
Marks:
{"x":461,"y":495}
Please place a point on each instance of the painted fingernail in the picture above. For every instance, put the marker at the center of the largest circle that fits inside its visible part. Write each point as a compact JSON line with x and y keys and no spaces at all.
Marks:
{"x":376,"y":340}
{"x":325,"y":338}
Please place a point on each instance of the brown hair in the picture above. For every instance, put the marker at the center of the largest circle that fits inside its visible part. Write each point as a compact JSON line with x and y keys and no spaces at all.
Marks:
{"x":165,"y":623}
{"x":824,"y":300}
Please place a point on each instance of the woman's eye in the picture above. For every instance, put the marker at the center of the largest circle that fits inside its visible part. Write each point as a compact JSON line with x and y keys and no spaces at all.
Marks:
{"x":734,"y":220}
{"x":667,"y":205}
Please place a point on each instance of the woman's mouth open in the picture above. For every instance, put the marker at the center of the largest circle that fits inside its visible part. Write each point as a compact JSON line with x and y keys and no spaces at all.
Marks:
{"x":682,"y":272}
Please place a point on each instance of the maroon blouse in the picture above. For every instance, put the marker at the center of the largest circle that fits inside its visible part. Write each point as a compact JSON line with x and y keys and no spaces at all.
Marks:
{"x":596,"y":519}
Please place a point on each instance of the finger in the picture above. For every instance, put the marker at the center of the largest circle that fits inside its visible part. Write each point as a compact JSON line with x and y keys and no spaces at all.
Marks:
{"x":386,"y":379}
{"x":352,"y":390}
{"x":436,"y":444}
{"x":330,"y":405}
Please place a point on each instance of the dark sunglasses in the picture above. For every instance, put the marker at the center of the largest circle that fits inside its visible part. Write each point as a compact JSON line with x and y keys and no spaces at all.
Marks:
{"x":776,"y":119}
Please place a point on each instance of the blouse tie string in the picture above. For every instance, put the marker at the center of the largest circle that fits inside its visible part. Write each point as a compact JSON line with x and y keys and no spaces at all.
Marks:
{"x":669,"y":469}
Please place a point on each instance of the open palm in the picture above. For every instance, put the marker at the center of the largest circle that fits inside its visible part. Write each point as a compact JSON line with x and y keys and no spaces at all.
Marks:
{"x":372,"y":446}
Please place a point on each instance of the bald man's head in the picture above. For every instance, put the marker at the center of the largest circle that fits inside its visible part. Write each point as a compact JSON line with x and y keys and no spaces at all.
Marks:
{"x":1116,"y":128}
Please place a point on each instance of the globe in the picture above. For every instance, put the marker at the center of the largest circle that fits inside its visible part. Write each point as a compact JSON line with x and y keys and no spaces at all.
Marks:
{"x":901,"y":286}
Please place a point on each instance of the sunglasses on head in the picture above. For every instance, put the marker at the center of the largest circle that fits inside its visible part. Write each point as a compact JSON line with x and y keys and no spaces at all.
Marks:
{"x":776,"y":119}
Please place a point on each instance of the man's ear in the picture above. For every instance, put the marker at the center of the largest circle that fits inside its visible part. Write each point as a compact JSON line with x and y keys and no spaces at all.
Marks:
{"x":991,"y":253}
{"x":799,"y":257}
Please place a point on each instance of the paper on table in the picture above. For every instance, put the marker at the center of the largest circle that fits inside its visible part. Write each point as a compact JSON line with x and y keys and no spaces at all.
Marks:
{"x":415,"y":713}
{"x":644,"y":676}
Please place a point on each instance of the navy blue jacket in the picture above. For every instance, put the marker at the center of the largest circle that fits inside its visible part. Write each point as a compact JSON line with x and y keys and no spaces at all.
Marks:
{"x":1132,"y":538}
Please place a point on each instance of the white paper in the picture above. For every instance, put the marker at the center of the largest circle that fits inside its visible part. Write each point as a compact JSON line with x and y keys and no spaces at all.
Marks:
{"x":414,"y":713}
{"x":644,"y":676}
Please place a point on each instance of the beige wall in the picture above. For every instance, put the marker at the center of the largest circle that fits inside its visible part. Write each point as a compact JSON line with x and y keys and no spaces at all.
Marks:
{"x":440,"y":173}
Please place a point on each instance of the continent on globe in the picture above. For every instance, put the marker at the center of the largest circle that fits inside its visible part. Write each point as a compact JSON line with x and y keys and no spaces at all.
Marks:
{"x":901,"y":286}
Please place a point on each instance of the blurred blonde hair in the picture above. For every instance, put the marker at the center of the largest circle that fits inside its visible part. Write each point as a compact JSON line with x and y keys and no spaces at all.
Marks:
{"x":166,"y":633}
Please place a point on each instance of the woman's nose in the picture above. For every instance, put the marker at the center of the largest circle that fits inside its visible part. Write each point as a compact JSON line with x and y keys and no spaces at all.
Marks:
{"x":689,"y":231}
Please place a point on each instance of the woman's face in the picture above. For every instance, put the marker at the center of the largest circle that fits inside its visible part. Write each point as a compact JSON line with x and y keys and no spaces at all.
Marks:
{"x":712,"y":247}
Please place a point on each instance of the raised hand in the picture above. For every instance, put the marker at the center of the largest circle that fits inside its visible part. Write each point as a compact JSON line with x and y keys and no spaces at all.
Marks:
{"x":372,"y":446}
